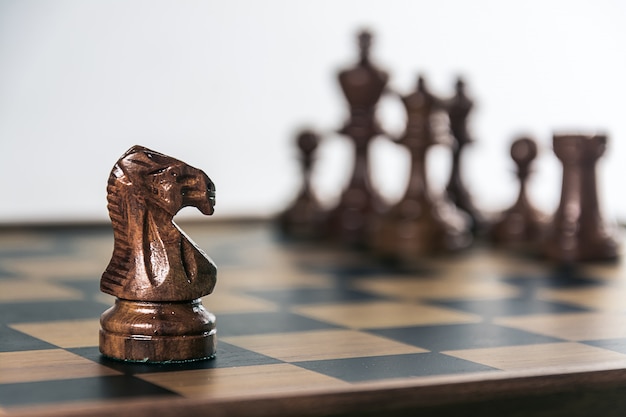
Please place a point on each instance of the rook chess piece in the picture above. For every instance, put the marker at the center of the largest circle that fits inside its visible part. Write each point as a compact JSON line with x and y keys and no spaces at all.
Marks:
{"x":420,"y":224}
{"x":521,"y":226}
{"x":156,"y":272}
{"x":362,"y":86}
{"x":459,"y":108}
{"x":578,"y":231}
{"x":303,"y":219}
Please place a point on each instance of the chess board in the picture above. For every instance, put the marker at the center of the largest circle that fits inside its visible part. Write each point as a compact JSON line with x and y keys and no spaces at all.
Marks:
{"x":318,"y":330}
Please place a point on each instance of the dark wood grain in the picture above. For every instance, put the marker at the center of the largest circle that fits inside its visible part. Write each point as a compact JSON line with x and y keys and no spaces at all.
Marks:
{"x":521,"y":226}
{"x":578,"y":230}
{"x":362,"y":85}
{"x":157,"y":273}
{"x":420,"y":223}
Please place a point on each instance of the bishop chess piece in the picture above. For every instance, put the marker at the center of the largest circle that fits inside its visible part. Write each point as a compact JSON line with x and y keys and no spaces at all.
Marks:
{"x":578,"y":231}
{"x":459,"y":108}
{"x":303,"y":219}
{"x":156,"y":272}
{"x":522,"y":225}
{"x":362,"y":85}
{"x":420,"y":223}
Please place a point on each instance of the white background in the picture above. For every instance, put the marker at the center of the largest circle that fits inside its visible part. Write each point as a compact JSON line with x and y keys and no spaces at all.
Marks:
{"x":225,"y":85}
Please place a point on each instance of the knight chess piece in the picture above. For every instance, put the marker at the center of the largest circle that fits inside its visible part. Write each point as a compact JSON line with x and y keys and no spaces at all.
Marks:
{"x":578,"y":230}
{"x":156,"y":272}
{"x":420,"y":223}
{"x":458,"y":109}
{"x":522,"y":225}
{"x":363,"y":86}
{"x":303,"y":219}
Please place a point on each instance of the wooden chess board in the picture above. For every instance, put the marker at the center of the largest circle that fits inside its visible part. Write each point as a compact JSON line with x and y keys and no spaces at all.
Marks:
{"x":318,"y":330}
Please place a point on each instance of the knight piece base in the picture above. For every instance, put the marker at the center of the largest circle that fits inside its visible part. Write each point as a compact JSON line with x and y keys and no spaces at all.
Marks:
{"x":141,"y":331}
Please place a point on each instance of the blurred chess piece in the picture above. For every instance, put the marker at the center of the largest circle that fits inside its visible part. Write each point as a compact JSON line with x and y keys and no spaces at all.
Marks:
{"x":420,"y":223}
{"x":522,"y":225}
{"x":363,"y":86}
{"x":578,"y":231}
{"x":458,"y":109}
{"x":303,"y":219}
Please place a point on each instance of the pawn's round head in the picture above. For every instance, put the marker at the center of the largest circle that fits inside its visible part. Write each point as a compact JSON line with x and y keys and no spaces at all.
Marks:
{"x":524,"y":151}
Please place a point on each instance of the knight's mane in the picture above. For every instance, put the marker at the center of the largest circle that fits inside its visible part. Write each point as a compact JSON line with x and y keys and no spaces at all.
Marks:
{"x":134,"y":164}
{"x":115,"y":274}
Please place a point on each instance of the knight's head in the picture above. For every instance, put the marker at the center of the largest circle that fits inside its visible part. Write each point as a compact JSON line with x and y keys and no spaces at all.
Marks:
{"x":164,"y":182}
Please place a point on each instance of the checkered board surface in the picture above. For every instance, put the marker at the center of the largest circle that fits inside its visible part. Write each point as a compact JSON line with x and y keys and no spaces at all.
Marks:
{"x":298,"y":319}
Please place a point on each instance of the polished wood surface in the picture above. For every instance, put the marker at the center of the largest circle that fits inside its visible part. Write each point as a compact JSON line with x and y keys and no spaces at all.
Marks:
{"x":578,"y":230}
{"x":156,"y":272}
{"x":522,"y":226}
{"x":314,"y":330}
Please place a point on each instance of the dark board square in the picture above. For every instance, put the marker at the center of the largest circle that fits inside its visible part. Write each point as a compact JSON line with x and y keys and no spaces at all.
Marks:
{"x":490,"y":309}
{"x":617,"y":345}
{"x":228,"y":356}
{"x":393,"y":366}
{"x":12,"y":341}
{"x":463,"y":336}
{"x":312,"y":295}
{"x":4,"y":274}
{"x":559,"y":278}
{"x":80,"y":389}
{"x":49,"y":311}
{"x":260,"y":323}
{"x":365,"y":267}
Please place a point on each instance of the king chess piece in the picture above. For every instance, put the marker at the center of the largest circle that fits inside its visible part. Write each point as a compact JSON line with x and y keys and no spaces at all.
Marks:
{"x":578,"y":231}
{"x":303,"y":219}
{"x":363,"y":86}
{"x":458,"y":109}
{"x":522,"y":225}
{"x":156,"y":272}
{"x":420,"y":223}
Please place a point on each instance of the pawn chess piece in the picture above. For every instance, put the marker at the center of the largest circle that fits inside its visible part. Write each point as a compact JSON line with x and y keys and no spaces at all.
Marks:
{"x":521,"y":226}
{"x":156,"y":272}
{"x":420,"y":224}
{"x":578,"y":231}
{"x":458,"y":109}
{"x":362,"y":86}
{"x":303,"y":219}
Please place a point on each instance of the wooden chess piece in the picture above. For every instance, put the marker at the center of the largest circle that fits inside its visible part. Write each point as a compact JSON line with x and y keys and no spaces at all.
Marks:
{"x":458,"y":109}
{"x":156,"y":272}
{"x":578,"y":231}
{"x":420,"y":223}
{"x":303,"y":219}
{"x":362,"y":85}
{"x":521,"y":226}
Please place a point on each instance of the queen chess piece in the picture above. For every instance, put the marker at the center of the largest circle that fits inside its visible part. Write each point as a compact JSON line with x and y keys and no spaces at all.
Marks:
{"x":459,"y":109}
{"x":420,"y":223}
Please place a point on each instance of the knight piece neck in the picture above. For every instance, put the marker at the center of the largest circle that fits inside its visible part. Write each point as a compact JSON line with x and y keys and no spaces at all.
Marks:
{"x":164,"y":225}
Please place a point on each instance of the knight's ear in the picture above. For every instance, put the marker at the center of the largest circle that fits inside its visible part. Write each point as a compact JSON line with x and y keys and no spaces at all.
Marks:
{"x":120,"y":175}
